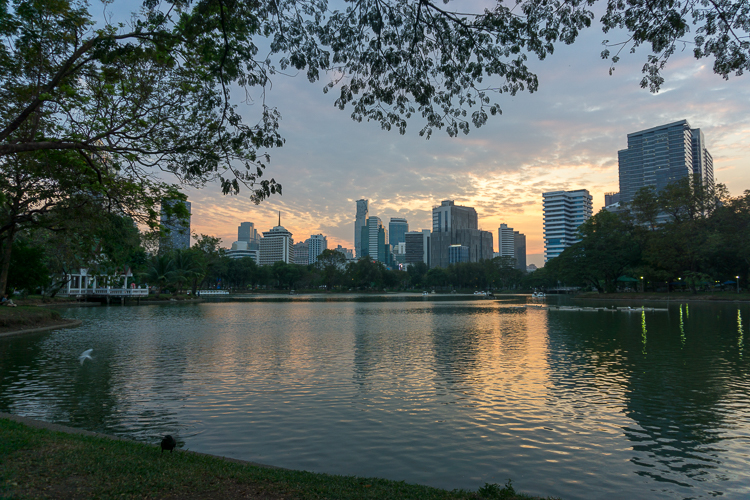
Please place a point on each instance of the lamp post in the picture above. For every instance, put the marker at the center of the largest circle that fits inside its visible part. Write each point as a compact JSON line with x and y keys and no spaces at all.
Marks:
{"x":738,"y":284}
{"x":643,"y":286}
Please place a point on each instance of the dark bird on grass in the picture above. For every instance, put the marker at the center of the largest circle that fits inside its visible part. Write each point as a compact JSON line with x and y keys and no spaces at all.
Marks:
{"x":168,"y":443}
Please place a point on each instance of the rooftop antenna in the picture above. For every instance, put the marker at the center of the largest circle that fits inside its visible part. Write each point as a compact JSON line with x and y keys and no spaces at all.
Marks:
{"x":279,"y":217}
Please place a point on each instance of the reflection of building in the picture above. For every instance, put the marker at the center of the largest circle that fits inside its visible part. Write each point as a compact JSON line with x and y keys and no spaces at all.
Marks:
{"x":564,"y":211}
{"x":661,"y":155}
{"x":317,"y":243}
{"x":456,"y":225}
{"x":397,"y":228}
{"x":418,"y":246}
{"x":276,"y":245}
{"x":359,"y":222}
{"x":241,"y":249}
{"x":178,"y":231}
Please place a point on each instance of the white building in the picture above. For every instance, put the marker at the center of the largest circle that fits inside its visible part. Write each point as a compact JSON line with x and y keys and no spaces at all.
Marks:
{"x":276,"y":244}
{"x":505,"y":241}
{"x":564,"y":211}
{"x":242,"y":249}
{"x":317,"y":243}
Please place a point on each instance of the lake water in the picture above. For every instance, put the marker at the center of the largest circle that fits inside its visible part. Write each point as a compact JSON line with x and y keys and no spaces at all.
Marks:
{"x":441,"y":390}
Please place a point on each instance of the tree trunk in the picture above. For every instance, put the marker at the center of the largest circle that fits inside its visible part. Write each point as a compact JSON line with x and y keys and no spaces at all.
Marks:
{"x":6,"y":249}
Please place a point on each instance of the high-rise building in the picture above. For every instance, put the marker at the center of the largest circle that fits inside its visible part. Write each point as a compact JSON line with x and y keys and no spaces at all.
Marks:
{"x":359,"y":222}
{"x":564,"y":211}
{"x":347,"y":252}
{"x":519,"y":245}
{"x":374,"y":238}
{"x":458,"y":254}
{"x":418,"y":247}
{"x":276,"y":245}
{"x":317,"y":244}
{"x":661,"y":155}
{"x":397,"y":228}
{"x":611,"y":199}
{"x":512,"y":244}
{"x":456,"y":225}
{"x":302,"y":253}
{"x":505,"y":241}
{"x":246,"y":232}
{"x":177,"y":236}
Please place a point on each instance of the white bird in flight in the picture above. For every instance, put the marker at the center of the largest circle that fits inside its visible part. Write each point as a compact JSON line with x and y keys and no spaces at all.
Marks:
{"x":86,"y":355}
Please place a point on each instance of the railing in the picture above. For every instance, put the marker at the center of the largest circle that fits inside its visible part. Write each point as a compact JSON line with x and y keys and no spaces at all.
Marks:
{"x":211,"y":292}
{"x":111,"y":292}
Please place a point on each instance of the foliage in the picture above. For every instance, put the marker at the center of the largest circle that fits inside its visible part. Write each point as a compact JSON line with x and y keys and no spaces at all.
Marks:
{"x":27,"y":268}
{"x":494,"y":491}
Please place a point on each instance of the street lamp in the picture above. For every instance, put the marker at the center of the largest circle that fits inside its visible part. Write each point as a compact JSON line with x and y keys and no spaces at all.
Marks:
{"x":643,"y":286}
{"x":738,"y":284}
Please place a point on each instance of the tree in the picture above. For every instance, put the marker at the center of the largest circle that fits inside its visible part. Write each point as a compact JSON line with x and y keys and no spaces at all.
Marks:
{"x":28,"y":270}
{"x":331,"y":263}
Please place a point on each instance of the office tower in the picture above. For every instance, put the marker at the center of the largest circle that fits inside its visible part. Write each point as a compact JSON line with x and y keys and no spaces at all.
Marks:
{"x":302,"y":253}
{"x":519,"y":246}
{"x":418,"y":247}
{"x":611,"y":199}
{"x":241,"y":249}
{"x":276,"y":245}
{"x":177,"y":236}
{"x":359,"y":222}
{"x":661,"y":155}
{"x":374,"y":238}
{"x":458,"y":254}
{"x":564,"y":211}
{"x":505,"y":241}
{"x":247,"y":232}
{"x":317,"y":244}
{"x":397,"y":228}
{"x":349,"y":254}
{"x":456,"y":225}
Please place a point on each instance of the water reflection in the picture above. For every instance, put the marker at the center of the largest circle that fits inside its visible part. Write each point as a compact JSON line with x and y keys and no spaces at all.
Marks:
{"x":446,"y":392}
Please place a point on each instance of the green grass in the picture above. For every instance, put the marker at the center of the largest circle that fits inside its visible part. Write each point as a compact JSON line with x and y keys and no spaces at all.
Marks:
{"x":38,"y":463}
{"x":22,"y":317}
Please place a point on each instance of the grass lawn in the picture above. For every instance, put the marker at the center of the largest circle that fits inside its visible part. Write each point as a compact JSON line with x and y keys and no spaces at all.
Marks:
{"x":39,"y":463}
{"x":25,"y":317}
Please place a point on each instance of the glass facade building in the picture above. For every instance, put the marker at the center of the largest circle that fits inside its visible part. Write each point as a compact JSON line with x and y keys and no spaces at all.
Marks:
{"x":564,"y":211}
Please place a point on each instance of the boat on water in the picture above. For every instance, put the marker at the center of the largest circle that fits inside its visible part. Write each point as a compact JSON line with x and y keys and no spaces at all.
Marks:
{"x":538,"y":295}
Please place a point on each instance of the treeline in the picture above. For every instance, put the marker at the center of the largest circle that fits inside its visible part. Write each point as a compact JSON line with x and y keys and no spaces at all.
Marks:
{"x":689,"y":235}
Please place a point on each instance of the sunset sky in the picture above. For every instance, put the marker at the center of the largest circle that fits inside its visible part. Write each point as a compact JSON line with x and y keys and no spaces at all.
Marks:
{"x":565,"y":136}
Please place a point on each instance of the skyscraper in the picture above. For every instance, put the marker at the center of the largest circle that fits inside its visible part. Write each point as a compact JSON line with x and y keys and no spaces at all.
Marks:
{"x":302,"y":253}
{"x":374,"y":238}
{"x":418,"y":247}
{"x":456,"y":225}
{"x":359,"y":222}
{"x":178,"y":231}
{"x":564,"y":211}
{"x":246,"y":232}
{"x":276,"y":244}
{"x":512,"y":244}
{"x":661,"y":155}
{"x":317,"y":243}
{"x":397,"y":228}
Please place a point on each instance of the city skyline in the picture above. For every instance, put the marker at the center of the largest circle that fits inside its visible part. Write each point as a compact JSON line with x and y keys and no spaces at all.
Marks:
{"x":565,"y":136}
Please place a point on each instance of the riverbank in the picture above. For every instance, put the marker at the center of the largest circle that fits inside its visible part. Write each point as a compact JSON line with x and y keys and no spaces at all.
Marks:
{"x":29,"y":319}
{"x":671,"y":297}
{"x":50,"y":461}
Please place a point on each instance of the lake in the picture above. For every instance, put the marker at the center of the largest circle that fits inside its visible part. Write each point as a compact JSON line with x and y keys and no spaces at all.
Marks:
{"x":448,"y":391}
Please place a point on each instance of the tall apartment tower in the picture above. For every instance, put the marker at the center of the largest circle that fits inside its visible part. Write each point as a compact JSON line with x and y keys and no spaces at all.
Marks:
{"x":359,"y":222}
{"x":302,"y":253}
{"x":564,"y":211}
{"x":505,"y":241}
{"x":397,"y":229}
{"x":374,"y":238}
{"x":318,"y":243}
{"x":512,"y":244}
{"x":178,"y":235}
{"x":661,"y":155}
{"x":276,"y":245}
{"x":456,"y":225}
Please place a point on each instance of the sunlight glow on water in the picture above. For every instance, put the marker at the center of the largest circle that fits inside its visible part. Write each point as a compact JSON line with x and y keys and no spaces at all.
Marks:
{"x":449,"y":393}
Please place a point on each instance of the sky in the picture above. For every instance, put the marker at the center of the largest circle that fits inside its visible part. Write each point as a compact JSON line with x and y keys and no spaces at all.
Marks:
{"x":565,"y":136}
